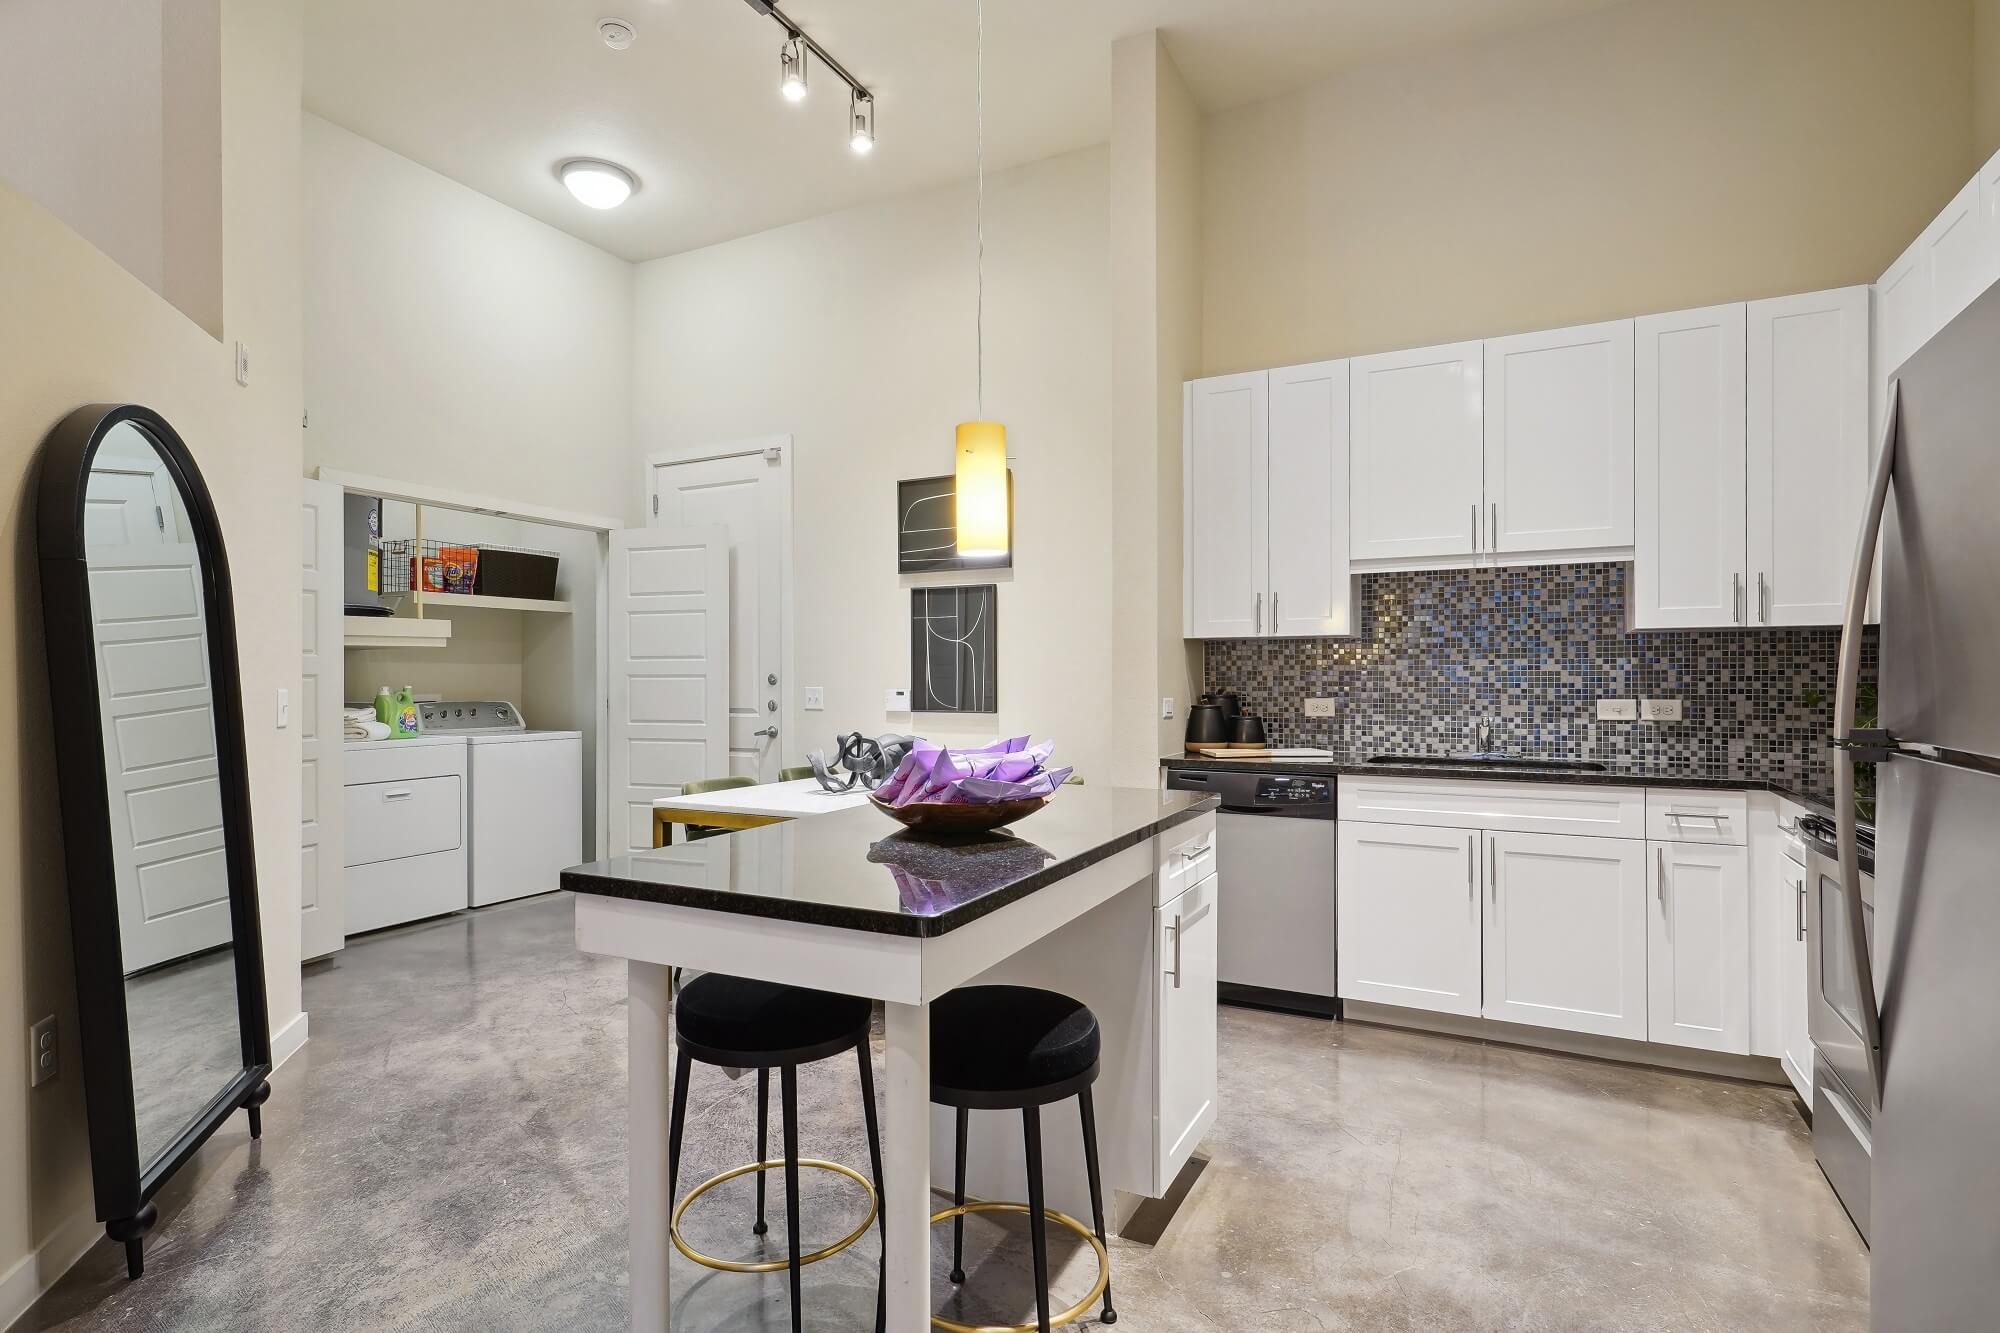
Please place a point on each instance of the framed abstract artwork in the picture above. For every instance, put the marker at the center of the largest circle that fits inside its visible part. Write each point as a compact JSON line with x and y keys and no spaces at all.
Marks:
{"x":926,"y":517}
{"x":953,"y":638}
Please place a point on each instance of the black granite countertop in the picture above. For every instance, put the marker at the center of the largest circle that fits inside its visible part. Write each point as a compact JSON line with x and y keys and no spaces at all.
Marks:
{"x":858,"y":869}
{"x":1614,"y":773}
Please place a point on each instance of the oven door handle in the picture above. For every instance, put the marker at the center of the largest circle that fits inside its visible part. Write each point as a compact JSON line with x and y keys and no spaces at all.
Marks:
{"x":1845,"y":691}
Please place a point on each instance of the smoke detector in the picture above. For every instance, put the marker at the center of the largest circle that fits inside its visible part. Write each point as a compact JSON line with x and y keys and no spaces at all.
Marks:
{"x":617,"y":33}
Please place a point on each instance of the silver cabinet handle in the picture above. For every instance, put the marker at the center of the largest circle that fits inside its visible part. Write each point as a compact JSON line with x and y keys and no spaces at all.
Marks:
{"x":397,"y":795}
{"x":1493,"y":870}
{"x":1196,"y":853}
{"x":1493,"y":528}
{"x":1763,"y":599}
{"x":1736,"y":597}
{"x":766,"y":731}
{"x":1677,"y":816}
{"x":1260,"y":613}
{"x":1799,"y":932}
{"x":1471,"y":892}
{"x":1475,"y":525}
{"x":1660,"y":891}
{"x":1176,"y":928}
{"x":1274,"y":610}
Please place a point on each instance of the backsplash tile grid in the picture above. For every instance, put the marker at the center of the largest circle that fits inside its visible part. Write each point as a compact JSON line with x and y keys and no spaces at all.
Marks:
{"x":1533,"y":649}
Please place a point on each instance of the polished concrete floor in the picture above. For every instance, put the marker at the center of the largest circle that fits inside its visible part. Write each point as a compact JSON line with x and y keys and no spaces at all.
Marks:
{"x":447,"y":1153}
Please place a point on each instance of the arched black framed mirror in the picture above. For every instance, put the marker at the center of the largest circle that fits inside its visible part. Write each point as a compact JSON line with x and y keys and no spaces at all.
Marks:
{"x":148,"y":709}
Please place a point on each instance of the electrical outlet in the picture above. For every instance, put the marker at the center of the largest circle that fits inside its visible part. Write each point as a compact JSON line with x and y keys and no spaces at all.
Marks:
{"x":1166,"y":707}
{"x":1660,"y":710}
{"x":44,"y":1055}
{"x":896,"y":701}
{"x":1617,"y":710}
{"x":815,"y":698}
{"x":1322,"y":708}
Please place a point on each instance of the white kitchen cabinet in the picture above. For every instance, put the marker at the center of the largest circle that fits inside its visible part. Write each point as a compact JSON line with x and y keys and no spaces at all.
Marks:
{"x":1808,"y":451}
{"x":1409,"y":917}
{"x":1558,"y":439}
{"x":1793,"y":981}
{"x":1698,"y":953}
{"x":1690,"y":557}
{"x":1417,"y":453}
{"x":1224,"y":457}
{"x":1952,"y":260}
{"x":1266,"y":511}
{"x":1185,"y":934}
{"x":1565,"y":932}
{"x":1307,"y":487}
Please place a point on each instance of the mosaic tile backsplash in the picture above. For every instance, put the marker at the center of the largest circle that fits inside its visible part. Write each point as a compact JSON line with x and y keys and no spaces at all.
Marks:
{"x":1532,"y":650}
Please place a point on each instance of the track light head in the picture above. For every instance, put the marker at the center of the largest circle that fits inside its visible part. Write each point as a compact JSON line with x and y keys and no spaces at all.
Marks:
{"x":861,"y":122}
{"x":792,"y":70}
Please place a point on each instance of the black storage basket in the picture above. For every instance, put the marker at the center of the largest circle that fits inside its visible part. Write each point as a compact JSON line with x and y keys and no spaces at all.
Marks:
{"x":505,"y":572}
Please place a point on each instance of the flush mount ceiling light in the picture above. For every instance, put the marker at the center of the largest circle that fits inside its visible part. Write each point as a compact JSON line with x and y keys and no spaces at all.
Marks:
{"x":597,"y":184}
{"x":794,"y":59}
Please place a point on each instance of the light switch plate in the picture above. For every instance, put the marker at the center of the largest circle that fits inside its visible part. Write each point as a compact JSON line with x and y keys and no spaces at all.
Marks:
{"x":243,"y":365}
{"x":1166,"y":707}
{"x":284,"y":709}
{"x":44,"y":1055}
{"x":815,"y":698}
{"x":1617,"y":710}
{"x":896,"y":701}
{"x":1660,"y":710}
{"x":1322,"y":708}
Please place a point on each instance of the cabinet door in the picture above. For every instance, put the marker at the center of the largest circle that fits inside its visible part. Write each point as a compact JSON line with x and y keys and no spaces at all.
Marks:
{"x":1698,"y":955}
{"x":1407,"y":904}
{"x":1794,"y":999}
{"x":1558,"y":438}
{"x":1566,"y":932}
{"x":1989,"y":222}
{"x":1808,"y":452}
{"x":1416,"y":453}
{"x":1308,"y":500}
{"x":1689,"y":558}
{"x":1184,"y":933}
{"x":1224,"y":437}
{"x":1954,"y":251}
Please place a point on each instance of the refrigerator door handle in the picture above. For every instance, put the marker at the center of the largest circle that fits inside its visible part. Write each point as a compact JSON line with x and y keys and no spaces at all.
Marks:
{"x":1845,"y":690}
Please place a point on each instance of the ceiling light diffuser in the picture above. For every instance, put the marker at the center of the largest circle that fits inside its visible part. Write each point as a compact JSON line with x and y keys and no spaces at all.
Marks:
{"x":597,"y":184}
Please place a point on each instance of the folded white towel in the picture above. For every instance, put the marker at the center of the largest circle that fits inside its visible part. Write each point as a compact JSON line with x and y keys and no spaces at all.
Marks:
{"x":370,"y":730}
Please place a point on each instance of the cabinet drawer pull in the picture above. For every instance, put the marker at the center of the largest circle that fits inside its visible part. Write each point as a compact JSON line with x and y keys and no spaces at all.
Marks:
{"x":403,"y":795}
{"x":1676,"y":816}
{"x":1196,"y":853}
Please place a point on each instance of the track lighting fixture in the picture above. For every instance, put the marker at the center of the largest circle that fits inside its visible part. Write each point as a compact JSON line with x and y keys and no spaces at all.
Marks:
{"x":792,"y":70}
{"x":798,"y":52}
{"x":860,"y":122}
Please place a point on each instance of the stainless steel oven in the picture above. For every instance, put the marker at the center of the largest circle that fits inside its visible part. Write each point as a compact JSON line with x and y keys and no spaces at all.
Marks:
{"x":1844,"y":1094}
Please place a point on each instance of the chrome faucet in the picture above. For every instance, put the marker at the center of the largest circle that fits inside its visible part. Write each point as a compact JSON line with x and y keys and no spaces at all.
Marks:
{"x":1484,"y":733}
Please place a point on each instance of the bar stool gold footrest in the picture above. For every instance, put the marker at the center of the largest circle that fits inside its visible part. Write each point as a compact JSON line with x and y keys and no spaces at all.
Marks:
{"x":773,"y":1265}
{"x":1068,"y":1316}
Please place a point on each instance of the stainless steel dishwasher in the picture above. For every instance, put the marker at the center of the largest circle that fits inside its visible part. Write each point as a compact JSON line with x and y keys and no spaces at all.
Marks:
{"x":1275,"y":864}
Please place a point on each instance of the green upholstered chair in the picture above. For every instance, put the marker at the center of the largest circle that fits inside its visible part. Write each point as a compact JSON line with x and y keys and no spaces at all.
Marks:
{"x":696,"y":832}
{"x":794,"y":774}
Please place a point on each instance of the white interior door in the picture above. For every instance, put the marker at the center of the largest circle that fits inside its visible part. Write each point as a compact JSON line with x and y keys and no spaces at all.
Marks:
{"x":669,"y":668}
{"x":745,"y":492}
{"x":322,"y":681}
{"x":131,"y":500}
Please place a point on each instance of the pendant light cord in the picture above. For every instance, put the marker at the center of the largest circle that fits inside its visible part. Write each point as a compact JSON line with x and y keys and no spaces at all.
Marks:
{"x":979,"y":318}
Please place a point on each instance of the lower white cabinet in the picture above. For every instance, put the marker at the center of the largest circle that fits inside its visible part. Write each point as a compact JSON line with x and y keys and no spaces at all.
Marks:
{"x":1566,"y":932}
{"x":1698,"y":955}
{"x":1793,"y":982}
{"x":1184,"y":934}
{"x":1408,"y":917}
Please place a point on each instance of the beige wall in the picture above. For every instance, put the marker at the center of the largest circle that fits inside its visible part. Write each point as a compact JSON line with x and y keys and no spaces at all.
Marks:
{"x":1646,"y":157}
{"x":853,"y":334}
{"x":452,"y":341}
{"x":76,"y":328}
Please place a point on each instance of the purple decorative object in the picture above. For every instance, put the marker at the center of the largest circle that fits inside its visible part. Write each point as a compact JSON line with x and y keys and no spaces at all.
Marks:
{"x":1002,"y":772}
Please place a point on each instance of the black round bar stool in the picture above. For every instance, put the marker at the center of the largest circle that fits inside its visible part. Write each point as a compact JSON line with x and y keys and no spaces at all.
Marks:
{"x":736,"y":1023}
{"x":1016,"y":1048}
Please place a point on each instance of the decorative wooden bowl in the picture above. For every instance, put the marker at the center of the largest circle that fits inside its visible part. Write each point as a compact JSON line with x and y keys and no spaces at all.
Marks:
{"x":952,"y":817}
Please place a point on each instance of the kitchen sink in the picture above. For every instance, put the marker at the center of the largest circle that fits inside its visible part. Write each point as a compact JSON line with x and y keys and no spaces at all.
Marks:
{"x":1487,"y":761}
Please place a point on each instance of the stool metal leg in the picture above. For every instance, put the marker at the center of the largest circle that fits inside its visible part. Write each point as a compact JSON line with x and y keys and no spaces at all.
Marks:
{"x":958,"y":1200}
{"x":788,"y":1080}
{"x":1038,"y":1230}
{"x":763,"y":1142}
{"x":875,"y":1164}
{"x":1089,"y":1112}
{"x":677,"y":1124}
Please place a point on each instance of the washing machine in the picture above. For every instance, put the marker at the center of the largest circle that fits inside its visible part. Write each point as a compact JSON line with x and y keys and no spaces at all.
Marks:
{"x":524,"y":819}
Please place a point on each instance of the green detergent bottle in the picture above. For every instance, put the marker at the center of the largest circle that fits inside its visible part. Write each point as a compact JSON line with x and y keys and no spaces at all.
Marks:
{"x":404,"y":724}
{"x":385,"y":705}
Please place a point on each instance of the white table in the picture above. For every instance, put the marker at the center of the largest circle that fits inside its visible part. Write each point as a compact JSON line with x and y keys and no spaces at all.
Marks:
{"x":751,"y":807}
{"x":825,"y":914}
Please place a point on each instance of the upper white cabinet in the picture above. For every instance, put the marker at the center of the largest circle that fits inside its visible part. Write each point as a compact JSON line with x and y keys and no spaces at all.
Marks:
{"x":1699,"y":946}
{"x":1265,"y":481}
{"x":1566,"y":932}
{"x":1690,"y":558}
{"x":1417,"y":453}
{"x":1558,"y":439}
{"x":1952,"y":260}
{"x":1227,"y":504}
{"x":1808,"y":452}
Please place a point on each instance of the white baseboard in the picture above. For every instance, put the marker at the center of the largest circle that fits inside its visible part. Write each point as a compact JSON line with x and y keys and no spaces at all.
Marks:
{"x":23,"y":1284}
{"x":285,"y":1042}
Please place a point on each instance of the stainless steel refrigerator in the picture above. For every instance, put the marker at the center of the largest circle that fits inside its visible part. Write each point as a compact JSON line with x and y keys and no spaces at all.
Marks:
{"x":1934,"y":1036}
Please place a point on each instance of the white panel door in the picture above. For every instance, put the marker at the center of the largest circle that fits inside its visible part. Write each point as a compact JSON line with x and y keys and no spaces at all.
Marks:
{"x":745,"y":492}
{"x":1808,"y":452}
{"x":1558,"y":433}
{"x":1690,"y":561}
{"x":669,"y":721}
{"x":1566,"y":932}
{"x":1185,"y":934}
{"x":1308,"y":500}
{"x":1416,"y":451}
{"x":1408,"y":911}
{"x":316,"y":714}
{"x":1224,"y":454}
{"x":1698,"y":954}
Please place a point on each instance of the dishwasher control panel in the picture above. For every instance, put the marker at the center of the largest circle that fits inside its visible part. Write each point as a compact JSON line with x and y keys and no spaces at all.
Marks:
{"x":1273,"y":789}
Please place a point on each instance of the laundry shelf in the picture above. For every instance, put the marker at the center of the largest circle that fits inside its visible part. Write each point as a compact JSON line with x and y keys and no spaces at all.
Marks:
{"x":434,"y":601}
{"x":394,"y":632}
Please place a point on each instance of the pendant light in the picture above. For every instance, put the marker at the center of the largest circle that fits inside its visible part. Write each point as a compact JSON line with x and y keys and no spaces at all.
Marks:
{"x":981,"y":481}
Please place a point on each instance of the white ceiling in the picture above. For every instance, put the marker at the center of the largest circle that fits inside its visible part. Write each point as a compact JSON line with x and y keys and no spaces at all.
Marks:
{"x":494,"y":93}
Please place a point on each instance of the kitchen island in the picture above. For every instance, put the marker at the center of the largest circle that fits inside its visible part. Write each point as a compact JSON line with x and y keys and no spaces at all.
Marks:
{"x":1107,"y":894}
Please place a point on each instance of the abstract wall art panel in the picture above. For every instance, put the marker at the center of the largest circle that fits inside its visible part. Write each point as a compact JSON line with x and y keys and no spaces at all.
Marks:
{"x":925,"y":520}
{"x":952,"y":650}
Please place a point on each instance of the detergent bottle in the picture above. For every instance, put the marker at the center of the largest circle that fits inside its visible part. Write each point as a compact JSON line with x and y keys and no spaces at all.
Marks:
{"x":403,"y":724}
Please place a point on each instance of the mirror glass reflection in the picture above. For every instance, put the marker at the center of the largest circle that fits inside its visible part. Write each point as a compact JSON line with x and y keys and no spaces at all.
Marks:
{"x":155,"y":697}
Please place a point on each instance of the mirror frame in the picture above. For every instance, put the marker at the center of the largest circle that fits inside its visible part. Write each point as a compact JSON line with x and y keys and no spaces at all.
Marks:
{"x":123,"y":1183}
